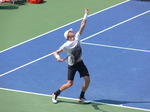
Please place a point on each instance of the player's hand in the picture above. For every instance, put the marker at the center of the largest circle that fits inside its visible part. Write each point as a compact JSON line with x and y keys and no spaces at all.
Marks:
{"x":86,"y":11}
{"x":59,"y":59}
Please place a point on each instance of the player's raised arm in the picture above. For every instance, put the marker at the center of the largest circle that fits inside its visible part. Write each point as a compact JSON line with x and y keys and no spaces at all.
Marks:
{"x":83,"y":23}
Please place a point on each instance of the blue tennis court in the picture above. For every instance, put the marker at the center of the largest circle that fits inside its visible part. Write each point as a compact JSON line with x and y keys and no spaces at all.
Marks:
{"x":116,"y":51}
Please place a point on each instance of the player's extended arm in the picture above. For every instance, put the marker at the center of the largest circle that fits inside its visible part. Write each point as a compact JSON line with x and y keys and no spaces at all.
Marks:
{"x":83,"y":23}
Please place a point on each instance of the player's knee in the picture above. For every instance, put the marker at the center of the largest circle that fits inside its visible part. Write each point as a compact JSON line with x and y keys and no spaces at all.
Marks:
{"x":87,"y":79}
{"x":70,"y":84}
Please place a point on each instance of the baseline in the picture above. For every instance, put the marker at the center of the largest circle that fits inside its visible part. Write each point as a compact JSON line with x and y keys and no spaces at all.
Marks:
{"x":74,"y":99}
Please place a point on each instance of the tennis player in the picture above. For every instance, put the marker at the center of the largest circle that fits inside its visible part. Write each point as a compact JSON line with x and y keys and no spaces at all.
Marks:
{"x":73,"y":48}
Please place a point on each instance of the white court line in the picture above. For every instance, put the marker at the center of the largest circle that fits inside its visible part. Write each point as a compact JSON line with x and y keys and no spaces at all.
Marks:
{"x":26,"y":64}
{"x":62,"y":26}
{"x":81,"y":40}
{"x":117,"y":47}
{"x":73,"y":99}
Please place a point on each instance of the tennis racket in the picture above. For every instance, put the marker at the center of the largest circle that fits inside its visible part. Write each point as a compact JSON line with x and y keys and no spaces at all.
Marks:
{"x":69,"y":59}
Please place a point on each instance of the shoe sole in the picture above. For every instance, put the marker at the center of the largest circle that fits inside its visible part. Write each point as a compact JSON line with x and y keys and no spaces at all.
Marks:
{"x":84,"y":102}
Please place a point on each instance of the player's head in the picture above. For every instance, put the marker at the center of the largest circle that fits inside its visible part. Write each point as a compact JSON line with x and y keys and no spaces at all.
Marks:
{"x":69,"y":34}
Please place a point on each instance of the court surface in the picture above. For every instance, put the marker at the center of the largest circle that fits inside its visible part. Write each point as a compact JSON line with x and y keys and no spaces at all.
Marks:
{"x":116,"y":51}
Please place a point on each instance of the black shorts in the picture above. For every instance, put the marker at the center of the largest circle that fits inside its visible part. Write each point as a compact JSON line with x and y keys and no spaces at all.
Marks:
{"x":80,"y":67}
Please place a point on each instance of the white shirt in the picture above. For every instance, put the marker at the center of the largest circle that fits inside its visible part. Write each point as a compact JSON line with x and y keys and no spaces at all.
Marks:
{"x":73,"y":49}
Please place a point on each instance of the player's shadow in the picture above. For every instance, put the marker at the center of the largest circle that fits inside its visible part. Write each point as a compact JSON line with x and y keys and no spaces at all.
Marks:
{"x":106,"y":101}
{"x":99,"y":103}
{"x":94,"y":105}
{"x":115,"y":102}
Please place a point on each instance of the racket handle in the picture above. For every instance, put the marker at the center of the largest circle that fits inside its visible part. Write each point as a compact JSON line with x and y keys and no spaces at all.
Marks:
{"x":63,"y":60}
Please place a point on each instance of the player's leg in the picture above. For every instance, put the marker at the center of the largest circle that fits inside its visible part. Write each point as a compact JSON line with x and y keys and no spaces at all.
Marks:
{"x":86,"y":83}
{"x":84,"y":88}
{"x":67,"y":85}
{"x":85,"y":74}
{"x":71,"y":74}
{"x":62,"y":88}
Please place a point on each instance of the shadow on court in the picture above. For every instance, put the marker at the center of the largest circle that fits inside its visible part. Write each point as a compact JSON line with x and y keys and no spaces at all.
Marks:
{"x":93,"y":105}
{"x":8,"y":7}
{"x":119,"y":102}
{"x":11,"y":6}
{"x":96,"y":107}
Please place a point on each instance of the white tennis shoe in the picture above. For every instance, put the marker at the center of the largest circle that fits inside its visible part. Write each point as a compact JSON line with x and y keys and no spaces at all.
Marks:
{"x":54,"y":98}
{"x":83,"y":100}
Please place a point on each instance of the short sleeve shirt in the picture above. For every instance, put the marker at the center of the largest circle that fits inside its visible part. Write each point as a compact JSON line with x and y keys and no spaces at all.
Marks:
{"x":73,"y":49}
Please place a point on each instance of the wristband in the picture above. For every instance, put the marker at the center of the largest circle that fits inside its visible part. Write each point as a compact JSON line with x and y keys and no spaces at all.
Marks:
{"x":57,"y":56}
{"x":85,"y":16}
